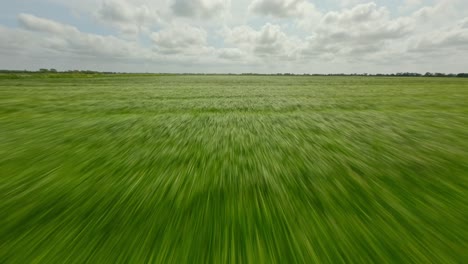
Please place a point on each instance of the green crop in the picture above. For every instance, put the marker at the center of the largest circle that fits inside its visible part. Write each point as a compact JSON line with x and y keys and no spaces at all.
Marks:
{"x":233,"y":169}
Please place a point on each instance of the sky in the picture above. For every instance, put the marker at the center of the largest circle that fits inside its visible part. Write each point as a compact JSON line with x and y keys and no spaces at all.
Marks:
{"x":235,"y":36}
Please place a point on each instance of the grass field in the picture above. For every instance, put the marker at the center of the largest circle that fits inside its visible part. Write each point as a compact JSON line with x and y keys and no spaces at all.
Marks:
{"x":233,"y":169}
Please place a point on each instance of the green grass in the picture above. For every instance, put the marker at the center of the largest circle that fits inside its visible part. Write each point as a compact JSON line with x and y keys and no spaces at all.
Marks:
{"x":233,"y":169}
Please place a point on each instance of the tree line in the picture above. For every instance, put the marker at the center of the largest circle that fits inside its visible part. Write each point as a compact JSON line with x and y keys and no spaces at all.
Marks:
{"x":399,"y":74}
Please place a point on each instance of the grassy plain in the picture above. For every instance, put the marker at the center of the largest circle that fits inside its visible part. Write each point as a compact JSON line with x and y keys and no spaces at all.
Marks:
{"x":233,"y":169}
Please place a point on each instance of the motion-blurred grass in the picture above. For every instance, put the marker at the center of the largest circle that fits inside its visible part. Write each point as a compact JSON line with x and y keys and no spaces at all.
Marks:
{"x":233,"y":169}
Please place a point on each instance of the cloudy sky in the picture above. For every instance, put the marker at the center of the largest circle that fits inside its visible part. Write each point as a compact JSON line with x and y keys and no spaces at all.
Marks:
{"x":266,"y":36}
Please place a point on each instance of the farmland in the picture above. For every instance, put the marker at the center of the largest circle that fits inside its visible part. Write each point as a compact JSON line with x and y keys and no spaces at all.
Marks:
{"x":233,"y":169}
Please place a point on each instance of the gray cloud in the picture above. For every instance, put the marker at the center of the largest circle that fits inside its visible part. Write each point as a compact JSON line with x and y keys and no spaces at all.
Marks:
{"x":203,"y":9}
{"x":280,"y":8}
{"x":231,"y":54}
{"x":15,"y":41}
{"x":451,"y":39}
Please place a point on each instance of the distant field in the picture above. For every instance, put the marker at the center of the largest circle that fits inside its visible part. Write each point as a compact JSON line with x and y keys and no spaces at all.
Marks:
{"x":233,"y":169}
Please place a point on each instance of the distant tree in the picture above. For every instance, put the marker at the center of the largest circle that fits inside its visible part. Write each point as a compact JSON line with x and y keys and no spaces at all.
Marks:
{"x":53,"y":70}
{"x":43,"y":70}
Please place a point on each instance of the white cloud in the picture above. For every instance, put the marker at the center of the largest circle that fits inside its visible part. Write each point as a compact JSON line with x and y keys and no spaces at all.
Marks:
{"x":181,"y":39}
{"x":442,"y":14}
{"x":361,"y":30}
{"x":269,"y":41}
{"x":129,"y":18}
{"x":35,"y":23}
{"x":290,"y":34}
{"x":360,"y":14}
{"x":69,"y":40}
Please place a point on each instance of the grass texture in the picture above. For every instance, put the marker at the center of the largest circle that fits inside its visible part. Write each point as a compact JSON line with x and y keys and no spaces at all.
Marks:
{"x":233,"y":169}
